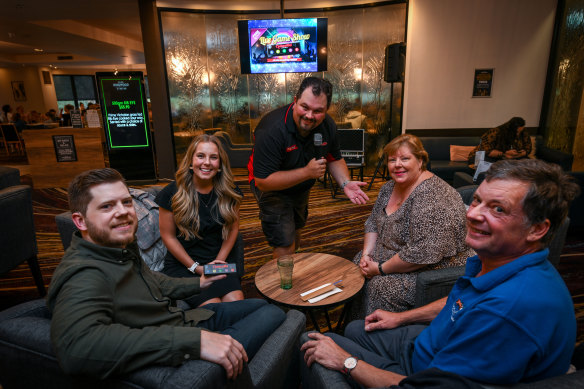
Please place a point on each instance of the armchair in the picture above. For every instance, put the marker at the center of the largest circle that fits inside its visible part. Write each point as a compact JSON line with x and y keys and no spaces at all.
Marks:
{"x":238,"y":153}
{"x":17,"y":233}
{"x":28,"y":360}
{"x":9,"y":176}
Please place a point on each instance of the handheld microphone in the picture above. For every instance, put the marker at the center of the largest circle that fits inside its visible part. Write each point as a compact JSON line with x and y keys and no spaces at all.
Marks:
{"x":318,"y":145}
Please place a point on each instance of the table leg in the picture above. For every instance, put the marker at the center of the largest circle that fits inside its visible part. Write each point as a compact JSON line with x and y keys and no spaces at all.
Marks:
{"x":328,"y":321}
{"x":314,"y":322}
{"x":339,"y":328}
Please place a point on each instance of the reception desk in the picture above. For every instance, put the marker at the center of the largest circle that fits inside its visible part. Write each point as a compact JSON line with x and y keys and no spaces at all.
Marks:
{"x":59,"y":154}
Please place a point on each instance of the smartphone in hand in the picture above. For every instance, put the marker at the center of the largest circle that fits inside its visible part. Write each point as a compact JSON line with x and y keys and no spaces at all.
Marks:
{"x":215,"y":269}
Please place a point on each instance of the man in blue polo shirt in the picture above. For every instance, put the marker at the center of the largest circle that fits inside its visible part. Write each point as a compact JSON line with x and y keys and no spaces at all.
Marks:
{"x":510,"y":318}
{"x":293,"y":146}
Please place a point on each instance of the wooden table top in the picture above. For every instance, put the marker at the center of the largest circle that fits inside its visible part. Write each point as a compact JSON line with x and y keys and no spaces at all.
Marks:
{"x":310,"y":271}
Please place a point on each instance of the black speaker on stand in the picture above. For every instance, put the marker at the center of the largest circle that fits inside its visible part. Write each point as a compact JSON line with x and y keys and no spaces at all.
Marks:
{"x":393,"y":71}
{"x":395,"y":63}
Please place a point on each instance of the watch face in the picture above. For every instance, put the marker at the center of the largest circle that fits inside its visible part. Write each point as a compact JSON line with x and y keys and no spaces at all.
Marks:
{"x":350,"y":363}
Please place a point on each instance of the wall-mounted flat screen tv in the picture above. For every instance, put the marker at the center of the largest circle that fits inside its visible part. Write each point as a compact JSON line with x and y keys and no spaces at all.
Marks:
{"x":283,"y":45}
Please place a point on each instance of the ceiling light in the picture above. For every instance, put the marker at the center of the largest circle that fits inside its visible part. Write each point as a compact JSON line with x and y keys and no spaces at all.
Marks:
{"x":39,"y":50}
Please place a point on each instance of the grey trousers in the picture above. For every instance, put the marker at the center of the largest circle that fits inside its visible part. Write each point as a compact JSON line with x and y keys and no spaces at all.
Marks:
{"x":389,"y":350}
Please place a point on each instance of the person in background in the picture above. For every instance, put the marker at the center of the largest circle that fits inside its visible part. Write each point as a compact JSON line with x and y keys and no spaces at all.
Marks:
{"x":417,"y":224}
{"x":199,"y":219}
{"x":112,"y":315}
{"x":293,"y":147}
{"x":6,"y":114}
{"x":66,"y":115}
{"x":20,"y":110}
{"x":507,"y":141}
{"x":52,"y":115}
{"x":18,"y":122}
{"x":34,"y":117}
{"x":509,"y":319}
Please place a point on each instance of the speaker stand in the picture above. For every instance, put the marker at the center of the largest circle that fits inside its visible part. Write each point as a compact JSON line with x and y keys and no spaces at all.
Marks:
{"x":384,"y":174}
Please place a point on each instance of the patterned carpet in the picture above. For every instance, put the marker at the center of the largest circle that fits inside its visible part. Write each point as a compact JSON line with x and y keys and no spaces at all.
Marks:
{"x":334,"y":226}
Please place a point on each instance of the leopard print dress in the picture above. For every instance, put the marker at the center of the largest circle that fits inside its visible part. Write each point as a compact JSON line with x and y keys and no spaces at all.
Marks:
{"x":429,"y":228}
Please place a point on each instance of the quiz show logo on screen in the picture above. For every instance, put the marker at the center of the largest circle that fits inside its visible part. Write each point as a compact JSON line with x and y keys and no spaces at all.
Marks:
{"x":283,"y":37}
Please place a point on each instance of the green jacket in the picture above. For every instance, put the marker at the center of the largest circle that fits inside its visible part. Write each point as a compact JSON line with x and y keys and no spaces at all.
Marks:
{"x":113,"y":315}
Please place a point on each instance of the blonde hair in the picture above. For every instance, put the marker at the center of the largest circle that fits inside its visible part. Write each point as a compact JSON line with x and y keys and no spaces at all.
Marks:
{"x":414,"y":144}
{"x":185,"y":202}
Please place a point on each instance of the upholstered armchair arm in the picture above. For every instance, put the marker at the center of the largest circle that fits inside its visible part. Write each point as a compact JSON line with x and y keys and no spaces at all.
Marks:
{"x":432,"y":285}
{"x":318,"y":376}
{"x":276,"y":363}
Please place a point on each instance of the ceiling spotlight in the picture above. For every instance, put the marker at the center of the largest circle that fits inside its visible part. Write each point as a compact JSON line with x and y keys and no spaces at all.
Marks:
{"x":39,"y":50}
{"x":115,"y":72}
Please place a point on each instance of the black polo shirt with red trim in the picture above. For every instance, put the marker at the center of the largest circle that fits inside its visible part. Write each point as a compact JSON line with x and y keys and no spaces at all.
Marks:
{"x":279,"y":146}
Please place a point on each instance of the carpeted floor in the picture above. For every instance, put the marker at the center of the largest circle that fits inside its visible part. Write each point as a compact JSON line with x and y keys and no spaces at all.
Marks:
{"x":334,"y":226}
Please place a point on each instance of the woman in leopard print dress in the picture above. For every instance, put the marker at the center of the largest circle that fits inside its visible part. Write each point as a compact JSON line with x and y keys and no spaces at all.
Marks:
{"x":418,"y":223}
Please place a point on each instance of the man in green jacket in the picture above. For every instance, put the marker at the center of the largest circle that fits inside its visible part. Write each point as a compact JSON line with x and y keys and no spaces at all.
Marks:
{"x":113,"y":315}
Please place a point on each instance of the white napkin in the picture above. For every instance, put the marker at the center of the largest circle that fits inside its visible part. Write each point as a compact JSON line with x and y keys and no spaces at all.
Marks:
{"x":322,"y":296}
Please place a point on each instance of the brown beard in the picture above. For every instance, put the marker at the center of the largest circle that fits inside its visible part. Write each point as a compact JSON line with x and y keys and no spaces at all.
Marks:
{"x":101,"y":236}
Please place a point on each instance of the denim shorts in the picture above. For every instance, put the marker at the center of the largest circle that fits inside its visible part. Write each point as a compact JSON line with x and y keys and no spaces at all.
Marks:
{"x":281,"y":215}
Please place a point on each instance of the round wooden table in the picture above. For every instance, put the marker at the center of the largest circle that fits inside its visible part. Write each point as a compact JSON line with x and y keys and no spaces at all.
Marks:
{"x":310,"y":271}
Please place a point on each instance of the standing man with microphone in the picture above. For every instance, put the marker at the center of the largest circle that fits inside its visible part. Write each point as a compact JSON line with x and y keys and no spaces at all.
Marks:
{"x":293,"y":146}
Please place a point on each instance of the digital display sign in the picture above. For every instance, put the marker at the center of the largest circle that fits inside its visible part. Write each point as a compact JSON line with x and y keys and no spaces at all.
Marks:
{"x":124,"y":111}
{"x":125,"y":124}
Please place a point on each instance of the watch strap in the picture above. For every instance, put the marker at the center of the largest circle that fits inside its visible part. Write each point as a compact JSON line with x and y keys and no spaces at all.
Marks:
{"x":193,"y":267}
{"x":381,"y":272}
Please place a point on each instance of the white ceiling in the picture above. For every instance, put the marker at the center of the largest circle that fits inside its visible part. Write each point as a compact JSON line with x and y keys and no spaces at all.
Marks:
{"x":94,"y":33}
{"x":97,"y":33}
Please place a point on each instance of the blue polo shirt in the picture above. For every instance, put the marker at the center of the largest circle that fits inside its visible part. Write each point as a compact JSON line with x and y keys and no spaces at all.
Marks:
{"x":278,"y":146}
{"x":514,"y":323}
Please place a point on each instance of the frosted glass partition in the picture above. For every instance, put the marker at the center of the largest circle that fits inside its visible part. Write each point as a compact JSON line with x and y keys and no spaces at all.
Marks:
{"x":209,"y":93}
{"x":564,"y":111}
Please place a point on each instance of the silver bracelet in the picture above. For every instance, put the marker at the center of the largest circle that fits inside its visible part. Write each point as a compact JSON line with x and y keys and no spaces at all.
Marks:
{"x":344,"y":184}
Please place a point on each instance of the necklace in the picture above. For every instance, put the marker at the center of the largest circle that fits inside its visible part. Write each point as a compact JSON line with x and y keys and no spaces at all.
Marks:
{"x":209,"y":198}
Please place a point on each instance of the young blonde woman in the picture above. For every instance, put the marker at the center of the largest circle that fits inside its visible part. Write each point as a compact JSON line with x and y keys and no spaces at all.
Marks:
{"x":199,"y":219}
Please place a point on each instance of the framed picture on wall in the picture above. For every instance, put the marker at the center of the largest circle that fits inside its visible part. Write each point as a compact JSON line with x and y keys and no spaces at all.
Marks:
{"x":18,"y":91}
{"x":483,"y":83}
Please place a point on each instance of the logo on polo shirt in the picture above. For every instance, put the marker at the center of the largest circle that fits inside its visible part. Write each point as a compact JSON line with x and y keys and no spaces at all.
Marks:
{"x":291,"y":148}
{"x":456,"y":307}
{"x":324,"y":143}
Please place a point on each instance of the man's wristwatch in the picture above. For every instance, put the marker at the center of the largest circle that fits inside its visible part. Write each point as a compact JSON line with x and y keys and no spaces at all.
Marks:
{"x":344,"y":184}
{"x":193,"y":267}
{"x":349,"y":365}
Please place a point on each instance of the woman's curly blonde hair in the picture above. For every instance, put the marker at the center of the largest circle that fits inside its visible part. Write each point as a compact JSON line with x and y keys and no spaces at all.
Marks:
{"x":185,"y":202}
